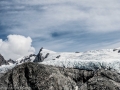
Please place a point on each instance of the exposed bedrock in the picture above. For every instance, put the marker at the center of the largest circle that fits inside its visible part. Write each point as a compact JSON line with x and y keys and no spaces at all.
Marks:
{"x":2,"y":60}
{"x":33,"y":76}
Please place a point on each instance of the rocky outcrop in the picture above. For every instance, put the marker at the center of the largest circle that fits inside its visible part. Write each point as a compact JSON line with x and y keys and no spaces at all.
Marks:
{"x":11,"y":61}
{"x":28,"y":58}
{"x":2,"y":60}
{"x":46,"y":55}
{"x":33,"y":76}
{"x":116,"y":50}
{"x":40,"y":57}
{"x":58,"y":56}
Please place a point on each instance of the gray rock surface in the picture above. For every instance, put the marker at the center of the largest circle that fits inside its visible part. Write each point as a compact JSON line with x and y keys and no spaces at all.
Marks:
{"x":2,"y":60}
{"x":39,"y":57}
{"x":11,"y":61}
{"x":27,"y":59}
{"x":33,"y":76}
{"x":46,"y":55}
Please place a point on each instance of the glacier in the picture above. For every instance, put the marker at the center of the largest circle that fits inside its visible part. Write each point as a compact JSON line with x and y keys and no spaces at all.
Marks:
{"x":5,"y":68}
{"x":89,"y":60}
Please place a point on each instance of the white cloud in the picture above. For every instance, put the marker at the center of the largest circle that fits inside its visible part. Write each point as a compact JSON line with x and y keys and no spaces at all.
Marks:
{"x":16,"y":46}
{"x":40,"y":18}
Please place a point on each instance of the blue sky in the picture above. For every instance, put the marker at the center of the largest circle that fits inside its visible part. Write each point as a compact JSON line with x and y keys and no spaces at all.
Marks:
{"x":62,"y":25}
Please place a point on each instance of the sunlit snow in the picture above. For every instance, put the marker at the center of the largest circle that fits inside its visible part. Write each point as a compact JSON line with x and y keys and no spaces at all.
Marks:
{"x":89,"y":60}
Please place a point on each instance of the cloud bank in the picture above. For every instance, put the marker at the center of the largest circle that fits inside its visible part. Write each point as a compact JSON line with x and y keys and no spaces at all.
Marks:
{"x":16,"y":46}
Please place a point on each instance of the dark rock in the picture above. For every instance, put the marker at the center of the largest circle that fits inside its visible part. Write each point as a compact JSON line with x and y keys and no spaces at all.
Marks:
{"x":1,"y":74}
{"x":39,"y":57}
{"x":104,"y":80}
{"x":27,"y":58}
{"x":41,"y":49}
{"x":36,"y":77}
{"x":22,"y":61}
{"x":46,"y":55}
{"x":58,"y":56}
{"x":118,"y":51}
{"x":2,"y":60}
{"x":33,"y":76}
{"x":32,"y":55}
{"x":115,"y":49}
{"x":11,"y":61}
{"x":77,"y":52}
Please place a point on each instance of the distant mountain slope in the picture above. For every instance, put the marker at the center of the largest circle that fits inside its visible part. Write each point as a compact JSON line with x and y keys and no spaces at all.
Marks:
{"x":103,"y":54}
{"x":89,"y":60}
{"x":88,"y":55}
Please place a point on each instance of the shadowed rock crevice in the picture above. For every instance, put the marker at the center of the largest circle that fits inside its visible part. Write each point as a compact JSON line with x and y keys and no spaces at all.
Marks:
{"x":29,"y":83}
{"x":10,"y":83}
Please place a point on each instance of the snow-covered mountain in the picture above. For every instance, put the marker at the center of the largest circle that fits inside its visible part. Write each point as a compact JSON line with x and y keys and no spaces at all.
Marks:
{"x":90,"y":60}
{"x":24,"y":59}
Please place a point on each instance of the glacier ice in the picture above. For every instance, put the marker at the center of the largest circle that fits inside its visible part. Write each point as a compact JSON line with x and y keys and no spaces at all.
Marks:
{"x":89,"y":60}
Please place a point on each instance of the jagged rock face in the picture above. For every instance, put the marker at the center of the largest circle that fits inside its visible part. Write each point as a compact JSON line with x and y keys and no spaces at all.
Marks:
{"x":24,"y":59}
{"x":2,"y":60}
{"x":39,"y":57}
{"x":11,"y":61}
{"x":33,"y":76}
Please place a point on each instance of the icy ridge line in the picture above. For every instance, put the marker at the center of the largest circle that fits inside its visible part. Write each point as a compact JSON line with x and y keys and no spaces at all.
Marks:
{"x":89,"y":60}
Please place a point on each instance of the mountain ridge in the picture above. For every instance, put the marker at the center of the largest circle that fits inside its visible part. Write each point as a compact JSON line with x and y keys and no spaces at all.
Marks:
{"x":90,"y":60}
{"x":34,"y":76}
{"x":49,"y":70}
